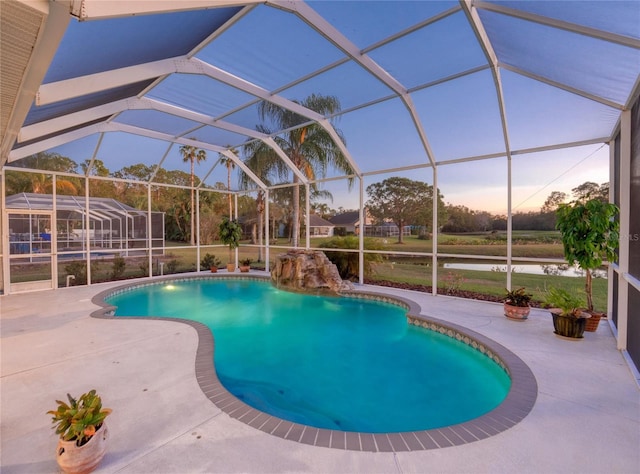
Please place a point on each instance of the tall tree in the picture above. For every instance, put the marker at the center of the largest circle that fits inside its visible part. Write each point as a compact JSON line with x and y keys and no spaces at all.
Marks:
{"x":41,"y":183}
{"x":553,"y":201}
{"x":589,"y":190}
{"x":401,"y":200}
{"x":310,"y":147}
{"x":193,"y":155}
{"x":230,"y":165}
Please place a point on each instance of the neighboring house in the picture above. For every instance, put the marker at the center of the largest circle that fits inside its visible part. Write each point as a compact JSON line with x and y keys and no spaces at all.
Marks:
{"x":349,"y":222}
{"x":111,"y":224}
{"x":319,"y":227}
{"x":387,"y":229}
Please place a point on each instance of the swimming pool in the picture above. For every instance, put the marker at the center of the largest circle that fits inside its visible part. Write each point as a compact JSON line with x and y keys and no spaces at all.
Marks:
{"x":309,"y":367}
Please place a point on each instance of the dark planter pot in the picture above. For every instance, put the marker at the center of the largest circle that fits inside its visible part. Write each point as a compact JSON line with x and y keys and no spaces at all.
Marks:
{"x":569,"y":326}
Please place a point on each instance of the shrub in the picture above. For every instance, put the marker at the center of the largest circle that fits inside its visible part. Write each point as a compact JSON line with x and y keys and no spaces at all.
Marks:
{"x":79,"y":270}
{"x":118,"y":267}
{"x":347,"y":262}
{"x":209,"y":261}
{"x":172,"y":266}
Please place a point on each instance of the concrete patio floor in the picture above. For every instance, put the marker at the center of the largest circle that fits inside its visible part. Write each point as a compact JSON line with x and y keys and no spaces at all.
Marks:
{"x":586,"y":418}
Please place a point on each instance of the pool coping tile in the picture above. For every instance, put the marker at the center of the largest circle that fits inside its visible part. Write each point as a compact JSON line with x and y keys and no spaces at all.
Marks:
{"x":515,"y":407}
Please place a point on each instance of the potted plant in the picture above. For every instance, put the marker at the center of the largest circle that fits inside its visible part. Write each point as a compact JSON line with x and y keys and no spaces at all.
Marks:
{"x":83,"y":432}
{"x":516,"y":304}
{"x":245,"y":265}
{"x":230,"y":234}
{"x":569,"y":319}
{"x":590,"y":235}
{"x":211,"y":262}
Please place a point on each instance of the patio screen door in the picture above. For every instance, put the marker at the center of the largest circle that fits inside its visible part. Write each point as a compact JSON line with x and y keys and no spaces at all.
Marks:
{"x":31,"y":247}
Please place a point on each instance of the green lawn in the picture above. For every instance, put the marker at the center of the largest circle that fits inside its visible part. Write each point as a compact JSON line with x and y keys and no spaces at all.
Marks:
{"x":398,"y":267}
{"x":489,"y":283}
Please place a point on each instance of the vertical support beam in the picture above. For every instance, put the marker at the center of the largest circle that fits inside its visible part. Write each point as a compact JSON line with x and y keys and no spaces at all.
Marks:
{"x":87,"y":224}
{"x":5,"y":250}
{"x":149,"y":231}
{"x":308,"y":217}
{"x":625,"y":215}
{"x":267,"y":235}
{"x":509,"y":222}
{"x":612,"y":189}
{"x":235,"y":214}
{"x":434,"y":233}
{"x":54,"y":236}
{"x":362,"y":219}
{"x":197,"y":236}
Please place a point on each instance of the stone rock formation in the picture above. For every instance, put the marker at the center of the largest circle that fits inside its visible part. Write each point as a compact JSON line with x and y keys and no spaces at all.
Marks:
{"x":307,"y":271}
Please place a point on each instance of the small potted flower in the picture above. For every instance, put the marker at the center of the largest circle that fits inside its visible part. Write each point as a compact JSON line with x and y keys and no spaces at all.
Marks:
{"x":245,"y":265}
{"x":516,"y":304}
{"x":83,"y":432}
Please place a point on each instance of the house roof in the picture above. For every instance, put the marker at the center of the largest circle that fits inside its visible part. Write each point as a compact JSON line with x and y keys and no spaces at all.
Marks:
{"x":317,"y":221}
{"x":346,"y":218}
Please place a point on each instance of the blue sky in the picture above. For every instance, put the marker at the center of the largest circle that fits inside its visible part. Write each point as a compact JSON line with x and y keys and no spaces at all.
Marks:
{"x":460,"y":118}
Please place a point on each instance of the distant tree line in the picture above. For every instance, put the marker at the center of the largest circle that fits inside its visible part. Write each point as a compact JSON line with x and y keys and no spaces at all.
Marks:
{"x":463,"y":219}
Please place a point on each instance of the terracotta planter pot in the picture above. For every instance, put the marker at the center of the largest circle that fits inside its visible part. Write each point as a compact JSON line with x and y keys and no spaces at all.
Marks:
{"x":231,"y":267}
{"x":83,"y":459}
{"x":214,"y":269}
{"x":244,"y":269}
{"x":517,"y":313}
{"x":593,"y":321}
{"x":568,"y":326}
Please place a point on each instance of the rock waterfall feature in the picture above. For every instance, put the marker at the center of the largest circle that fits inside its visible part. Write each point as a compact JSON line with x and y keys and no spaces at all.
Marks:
{"x":307,"y":271}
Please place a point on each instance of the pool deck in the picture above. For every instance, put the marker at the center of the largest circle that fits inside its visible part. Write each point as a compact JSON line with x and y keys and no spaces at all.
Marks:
{"x":586,"y":418}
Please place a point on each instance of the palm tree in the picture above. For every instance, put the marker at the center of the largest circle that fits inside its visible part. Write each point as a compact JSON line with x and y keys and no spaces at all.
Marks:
{"x":310,"y":147}
{"x":193,"y":155}
{"x":228,"y":162}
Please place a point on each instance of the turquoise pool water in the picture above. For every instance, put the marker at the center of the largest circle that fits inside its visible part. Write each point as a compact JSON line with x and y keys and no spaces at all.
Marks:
{"x":337,"y":363}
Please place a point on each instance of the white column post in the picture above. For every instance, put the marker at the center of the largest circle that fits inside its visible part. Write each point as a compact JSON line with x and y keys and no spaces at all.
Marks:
{"x":149,"y":231}
{"x":307,"y":217}
{"x":266,"y":232}
{"x":362,"y":218}
{"x":434,"y":234}
{"x":625,"y":215}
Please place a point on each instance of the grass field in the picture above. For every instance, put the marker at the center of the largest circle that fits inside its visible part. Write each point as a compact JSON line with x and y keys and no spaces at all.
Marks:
{"x":399,"y":266}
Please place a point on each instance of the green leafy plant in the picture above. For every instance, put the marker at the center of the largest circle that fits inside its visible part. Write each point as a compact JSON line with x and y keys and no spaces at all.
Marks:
{"x":118,"y":267}
{"x":230,"y":234}
{"x":79,"y":270}
{"x":518,"y":297}
{"x":246,"y":262}
{"x":567,"y":303}
{"x":80,"y":418}
{"x":452,"y":282}
{"x":590,"y":235}
{"x":347,"y":263}
{"x":172,"y":266}
{"x":210,"y":261}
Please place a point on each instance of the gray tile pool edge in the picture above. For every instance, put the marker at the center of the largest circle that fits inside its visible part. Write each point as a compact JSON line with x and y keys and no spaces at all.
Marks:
{"x":514,"y":408}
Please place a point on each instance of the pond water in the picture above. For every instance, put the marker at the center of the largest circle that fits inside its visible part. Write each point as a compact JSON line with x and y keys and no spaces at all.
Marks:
{"x":555,"y":270}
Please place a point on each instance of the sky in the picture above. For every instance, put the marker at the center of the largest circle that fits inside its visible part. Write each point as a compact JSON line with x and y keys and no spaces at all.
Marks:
{"x":482,"y":185}
{"x":457,"y":119}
